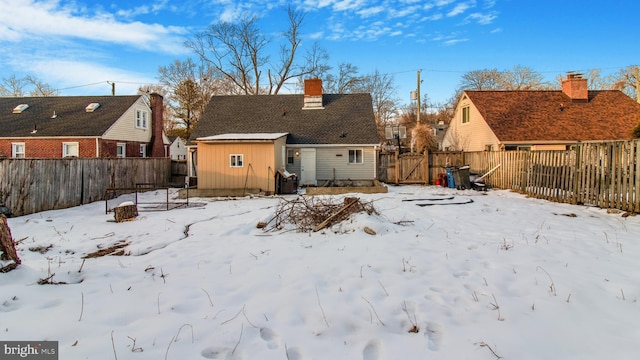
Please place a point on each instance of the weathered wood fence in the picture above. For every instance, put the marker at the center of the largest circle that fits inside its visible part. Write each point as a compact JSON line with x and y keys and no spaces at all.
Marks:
{"x":603,"y":174}
{"x":33,"y":185}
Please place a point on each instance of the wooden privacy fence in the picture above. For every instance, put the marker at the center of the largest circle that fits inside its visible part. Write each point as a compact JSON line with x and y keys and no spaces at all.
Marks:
{"x":33,"y":185}
{"x":603,"y":174}
{"x":403,"y":168}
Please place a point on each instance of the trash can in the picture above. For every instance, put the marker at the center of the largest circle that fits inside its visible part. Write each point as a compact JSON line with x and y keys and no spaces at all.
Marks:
{"x":461,"y":177}
{"x":442,"y":179}
{"x":286,"y":183}
{"x":450,"y":180}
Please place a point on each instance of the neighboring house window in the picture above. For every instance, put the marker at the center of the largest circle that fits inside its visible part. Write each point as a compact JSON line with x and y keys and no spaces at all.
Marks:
{"x":236,"y":160}
{"x":142,"y":119}
{"x":488,"y":148}
{"x":121,"y":150}
{"x":355,"y":156}
{"x":290,"y":156}
{"x":17,"y":150}
{"x":465,"y":115}
{"x":143,"y":150}
{"x":70,"y":149}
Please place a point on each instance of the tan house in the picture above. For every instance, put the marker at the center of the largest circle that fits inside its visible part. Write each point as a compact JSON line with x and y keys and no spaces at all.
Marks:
{"x":82,"y":126}
{"x":243,"y":141}
{"x":541,"y":119}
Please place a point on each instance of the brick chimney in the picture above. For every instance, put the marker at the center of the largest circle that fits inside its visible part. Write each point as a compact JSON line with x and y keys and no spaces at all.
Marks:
{"x":156,"y":144}
{"x":575,"y":87}
{"x":313,"y":94}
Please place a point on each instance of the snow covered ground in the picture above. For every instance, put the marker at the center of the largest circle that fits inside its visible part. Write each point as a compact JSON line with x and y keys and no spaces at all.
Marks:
{"x":502,"y":276}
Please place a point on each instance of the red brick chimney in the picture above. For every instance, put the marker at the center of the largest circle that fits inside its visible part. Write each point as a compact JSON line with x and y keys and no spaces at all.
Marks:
{"x":313,"y":94}
{"x":576,"y":87}
{"x":156,"y":144}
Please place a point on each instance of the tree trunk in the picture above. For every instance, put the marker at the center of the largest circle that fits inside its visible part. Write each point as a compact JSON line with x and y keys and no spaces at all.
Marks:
{"x":7,"y":246}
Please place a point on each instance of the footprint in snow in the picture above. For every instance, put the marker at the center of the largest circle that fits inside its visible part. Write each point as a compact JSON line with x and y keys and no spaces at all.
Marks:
{"x":434,"y":333}
{"x":272,"y":339}
{"x":372,"y":351}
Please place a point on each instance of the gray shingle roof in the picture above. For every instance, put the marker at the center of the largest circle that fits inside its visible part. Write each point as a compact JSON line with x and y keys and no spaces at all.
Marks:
{"x":71,"y":118}
{"x":345,"y":119}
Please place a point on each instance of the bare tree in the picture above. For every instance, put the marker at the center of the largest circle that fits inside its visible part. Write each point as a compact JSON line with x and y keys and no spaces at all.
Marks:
{"x":382,"y":89}
{"x":487,"y":79}
{"x":518,"y":78}
{"x":522,"y":78}
{"x":28,"y":85}
{"x":187,"y":88}
{"x":346,"y":81}
{"x":238,"y":51}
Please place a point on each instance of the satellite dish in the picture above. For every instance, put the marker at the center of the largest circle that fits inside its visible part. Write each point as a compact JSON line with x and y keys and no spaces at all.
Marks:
{"x":395,"y":132}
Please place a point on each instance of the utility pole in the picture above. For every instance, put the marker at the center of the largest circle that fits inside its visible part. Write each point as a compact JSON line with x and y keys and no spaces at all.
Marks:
{"x":418,"y":96}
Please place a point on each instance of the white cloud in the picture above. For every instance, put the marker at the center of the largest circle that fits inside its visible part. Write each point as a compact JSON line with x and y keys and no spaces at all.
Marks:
{"x":455,"y":41}
{"x":482,"y":19}
{"x":366,"y":12}
{"x":25,"y":20}
{"x":458,"y":9}
{"x":70,"y":73}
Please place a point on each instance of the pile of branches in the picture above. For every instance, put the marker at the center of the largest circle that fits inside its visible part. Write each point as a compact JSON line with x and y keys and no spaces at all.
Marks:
{"x":315,"y":213}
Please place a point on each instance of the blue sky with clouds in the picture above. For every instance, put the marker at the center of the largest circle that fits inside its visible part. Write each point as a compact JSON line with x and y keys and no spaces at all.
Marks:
{"x":72,"y":43}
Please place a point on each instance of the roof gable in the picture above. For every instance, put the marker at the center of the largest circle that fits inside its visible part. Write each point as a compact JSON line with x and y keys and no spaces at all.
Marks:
{"x":62,"y":115}
{"x":345,"y":118}
{"x":552,"y":116}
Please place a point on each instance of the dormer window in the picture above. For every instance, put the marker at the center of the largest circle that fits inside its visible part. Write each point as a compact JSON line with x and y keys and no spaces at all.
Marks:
{"x":142,"y":119}
{"x":92,"y":107}
{"x":20,"y":108}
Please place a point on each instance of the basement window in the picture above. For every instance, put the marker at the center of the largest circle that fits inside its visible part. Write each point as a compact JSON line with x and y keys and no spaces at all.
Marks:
{"x":70,"y":149}
{"x":18,"y":150}
{"x":236,"y":160}
{"x":121,"y":150}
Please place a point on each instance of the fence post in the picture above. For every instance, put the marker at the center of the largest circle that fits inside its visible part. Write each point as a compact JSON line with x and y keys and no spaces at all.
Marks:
{"x":577,"y":171}
{"x":397,"y":166}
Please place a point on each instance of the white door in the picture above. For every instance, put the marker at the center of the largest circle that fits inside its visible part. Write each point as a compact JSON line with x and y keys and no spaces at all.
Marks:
{"x":308,"y":167}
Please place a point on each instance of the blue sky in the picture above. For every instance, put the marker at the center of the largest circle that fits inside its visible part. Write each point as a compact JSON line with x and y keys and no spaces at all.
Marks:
{"x":70,"y":44}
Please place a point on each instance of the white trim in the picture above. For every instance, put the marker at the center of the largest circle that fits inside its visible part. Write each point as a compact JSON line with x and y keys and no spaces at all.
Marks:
{"x":241,"y":136}
{"x":70,"y":144}
{"x":124,"y":150}
{"x":14,"y":145}
{"x":234,"y":159}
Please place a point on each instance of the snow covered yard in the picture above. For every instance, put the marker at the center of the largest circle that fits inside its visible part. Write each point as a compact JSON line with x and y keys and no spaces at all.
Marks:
{"x":502,"y":276}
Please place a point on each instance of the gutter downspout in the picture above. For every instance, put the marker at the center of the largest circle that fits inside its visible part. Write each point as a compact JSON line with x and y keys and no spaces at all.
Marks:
{"x":97,"y":147}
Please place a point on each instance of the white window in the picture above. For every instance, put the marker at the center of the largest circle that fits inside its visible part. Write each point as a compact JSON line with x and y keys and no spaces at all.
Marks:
{"x":17,"y":150}
{"x":355,"y":156}
{"x":142,"y":119}
{"x":236,"y":160}
{"x":121,"y":150}
{"x":70,"y":149}
{"x":466,"y":117}
{"x":143,"y":150}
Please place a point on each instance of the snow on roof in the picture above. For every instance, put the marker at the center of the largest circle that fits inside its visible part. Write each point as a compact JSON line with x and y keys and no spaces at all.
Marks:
{"x":249,"y":136}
